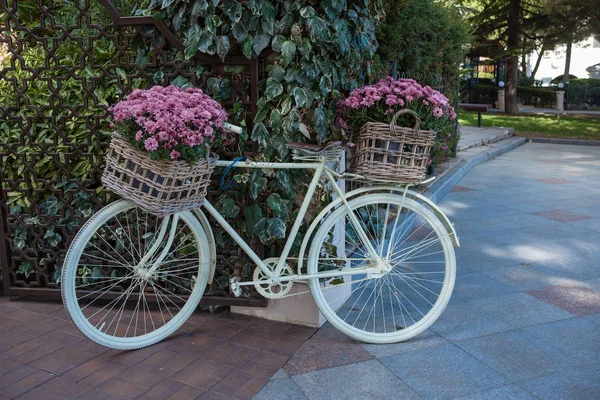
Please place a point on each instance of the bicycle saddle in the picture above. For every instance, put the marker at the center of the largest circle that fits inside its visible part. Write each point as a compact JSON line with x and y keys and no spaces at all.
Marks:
{"x":308,"y":149}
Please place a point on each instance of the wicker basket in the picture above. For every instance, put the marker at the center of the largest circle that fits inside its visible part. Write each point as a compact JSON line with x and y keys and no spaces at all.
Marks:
{"x":160,"y":187}
{"x":390,"y":152}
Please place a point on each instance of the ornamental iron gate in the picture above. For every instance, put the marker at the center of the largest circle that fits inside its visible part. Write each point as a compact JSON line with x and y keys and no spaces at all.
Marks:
{"x":62,"y":63}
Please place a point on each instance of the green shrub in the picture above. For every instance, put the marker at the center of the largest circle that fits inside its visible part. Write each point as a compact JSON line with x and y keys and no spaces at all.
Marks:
{"x":588,"y":83}
{"x":536,"y":97}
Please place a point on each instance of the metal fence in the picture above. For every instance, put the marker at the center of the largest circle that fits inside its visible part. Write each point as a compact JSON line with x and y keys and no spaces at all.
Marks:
{"x":61,"y":65}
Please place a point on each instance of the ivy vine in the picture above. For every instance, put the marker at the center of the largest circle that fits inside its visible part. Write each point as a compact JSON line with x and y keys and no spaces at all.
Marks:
{"x":316,"y":52}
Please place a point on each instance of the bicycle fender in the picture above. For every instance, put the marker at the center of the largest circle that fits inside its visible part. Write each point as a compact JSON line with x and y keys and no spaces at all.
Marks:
{"x":413,"y":195}
{"x":211,"y":242}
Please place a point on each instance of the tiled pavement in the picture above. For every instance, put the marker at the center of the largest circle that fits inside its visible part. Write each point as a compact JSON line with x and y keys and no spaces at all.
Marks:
{"x":524,"y":319}
{"x":213,"y":356}
{"x":523,"y":322}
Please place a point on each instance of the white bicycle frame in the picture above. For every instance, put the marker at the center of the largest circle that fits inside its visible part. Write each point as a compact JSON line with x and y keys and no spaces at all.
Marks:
{"x":274,"y":276}
{"x":320,"y":169}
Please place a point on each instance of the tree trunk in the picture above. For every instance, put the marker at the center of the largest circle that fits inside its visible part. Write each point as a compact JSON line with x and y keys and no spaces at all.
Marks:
{"x":568,"y":59}
{"x":512,"y":63}
{"x":524,"y":63}
{"x":537,"y":63}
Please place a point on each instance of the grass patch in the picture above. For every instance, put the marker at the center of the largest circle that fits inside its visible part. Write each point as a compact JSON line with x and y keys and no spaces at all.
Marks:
{"x":553,"y":126}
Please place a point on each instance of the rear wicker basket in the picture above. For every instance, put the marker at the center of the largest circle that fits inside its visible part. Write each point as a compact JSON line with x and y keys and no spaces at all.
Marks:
{"x":390,"y":152}
{"x":160,"y":187}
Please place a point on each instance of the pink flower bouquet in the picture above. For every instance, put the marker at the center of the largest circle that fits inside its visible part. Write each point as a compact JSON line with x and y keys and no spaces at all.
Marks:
{"x":170,"y":123}
{"x":378,"y":103}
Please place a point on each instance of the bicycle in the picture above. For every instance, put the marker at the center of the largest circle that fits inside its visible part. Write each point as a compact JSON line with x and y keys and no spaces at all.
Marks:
{"x":379,"y":261}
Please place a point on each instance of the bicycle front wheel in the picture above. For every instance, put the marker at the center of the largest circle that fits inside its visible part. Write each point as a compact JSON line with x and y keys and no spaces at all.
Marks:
{"x":118,"y":301}
{"x":399,"y":303}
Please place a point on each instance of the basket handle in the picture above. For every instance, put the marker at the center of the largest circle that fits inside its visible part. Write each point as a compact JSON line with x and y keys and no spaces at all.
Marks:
{"x":405,"y":111}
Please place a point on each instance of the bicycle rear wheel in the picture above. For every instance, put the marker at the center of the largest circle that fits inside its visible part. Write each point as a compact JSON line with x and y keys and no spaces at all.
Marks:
{"x":395,"y":305}
{"x":112,"y":297}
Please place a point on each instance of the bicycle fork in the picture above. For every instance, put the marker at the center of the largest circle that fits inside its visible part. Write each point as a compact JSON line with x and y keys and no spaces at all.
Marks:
{"x":140,"y":268}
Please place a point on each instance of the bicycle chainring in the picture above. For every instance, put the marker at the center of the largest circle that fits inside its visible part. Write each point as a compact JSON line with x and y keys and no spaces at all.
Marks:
{"x":269,"y":290}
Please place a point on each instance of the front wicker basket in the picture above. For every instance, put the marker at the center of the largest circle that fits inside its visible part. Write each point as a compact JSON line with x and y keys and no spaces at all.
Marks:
{"x":160,"y":187}
{"x":389,"y":152}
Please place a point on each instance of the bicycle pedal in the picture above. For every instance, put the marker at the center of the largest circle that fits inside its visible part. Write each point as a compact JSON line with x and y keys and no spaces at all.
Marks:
{"x":235,"y":287}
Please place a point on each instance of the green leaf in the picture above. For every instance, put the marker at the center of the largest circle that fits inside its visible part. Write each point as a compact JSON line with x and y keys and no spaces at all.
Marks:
{"x":302,"y":97}
{"x":277,"y":43}
{"x":159,"y":75}
{"x":277,"y":73}
{"x":304,"y":130}
{"x":285,"y":180}
{"x":260,"y":229}
{"x":227,"y":207}
{"x":275,"y":120}
{"x":253,"y":214}
{"x":96,"y":273}
{"x":262,"y":110}
{"x":305,"y":48}
{"x":247,"y":44}
{"x":261,"y":41}
{"x":274,"y":88}
{"x":278,"y":205}
{"x":260,"y":135}
{"x":325,"y":85}
{"x":286,"y":105}
{"x":257,"y":186}
{"x":307,"y":12}
{"x":318,"y":29}
{"x":276,"y":228}
{"x":222,"y":46}
{"x":26,"y":268}
{"x":288,"y":50}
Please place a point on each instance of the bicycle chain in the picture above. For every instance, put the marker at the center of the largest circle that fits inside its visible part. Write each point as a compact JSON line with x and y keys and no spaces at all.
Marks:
{"x":325,"y":288}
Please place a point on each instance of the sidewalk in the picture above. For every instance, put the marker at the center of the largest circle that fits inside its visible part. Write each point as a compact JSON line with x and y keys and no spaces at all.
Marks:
{"x":524,"y":319}
{"x":532,"y":110}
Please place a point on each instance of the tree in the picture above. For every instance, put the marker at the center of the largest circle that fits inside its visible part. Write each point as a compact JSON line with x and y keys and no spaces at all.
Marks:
{"x":426,"y":39}
{"x":506,"y":21}
{"x":572,"y":21}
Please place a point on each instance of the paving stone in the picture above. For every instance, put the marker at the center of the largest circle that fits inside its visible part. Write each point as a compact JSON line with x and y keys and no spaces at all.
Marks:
{"x":520,"y":310}
{"x":249,"y":389}
{"x":459,"y":188}
{"x":562,"y":215}
{"x":508,"y":392}
{"x":554,"y":181}
{"x":53,"y":365}
{"x":163,"y":390}
{"x":443,"y":372}
{"x":128,"y":390}
{"x":577,"y":383}
{"x":595,"y":318}
{"x":473,"y":286}
{"x":516,"y":355}
{"x":186,"y":392}
{"x":280,"y":389}
{"x":577,"y":338}
{"x":280,"y":374}
{"x":356,"y":381}
{"x":326,"y":349}
{"x":15,"y":375}
{"x":527,"y":277}
{"x":422,"y":341}
{"x":26,"y":384}
{"x":61,"y":386}
{"x":462,"y":320}
{"x":576,"y":299}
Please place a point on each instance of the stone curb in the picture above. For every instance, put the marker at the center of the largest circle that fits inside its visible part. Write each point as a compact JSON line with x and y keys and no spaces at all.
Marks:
{"x":441,"y":188}
{"x":580,"y":142}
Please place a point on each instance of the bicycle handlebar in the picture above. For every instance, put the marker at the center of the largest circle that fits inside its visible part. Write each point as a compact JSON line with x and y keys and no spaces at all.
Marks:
{"x":232,"y":128}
